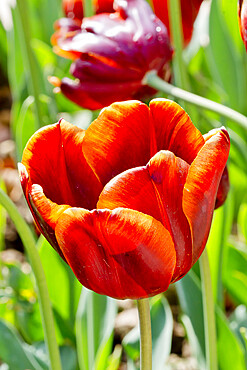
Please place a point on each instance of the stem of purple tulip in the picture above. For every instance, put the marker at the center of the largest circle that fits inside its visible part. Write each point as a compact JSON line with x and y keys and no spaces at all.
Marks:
{"x":179,"y":67}
{"x":208,"y":313}
{"x":152,"y":80}
{"x":42,"y":289}
{"x":145,"y":334}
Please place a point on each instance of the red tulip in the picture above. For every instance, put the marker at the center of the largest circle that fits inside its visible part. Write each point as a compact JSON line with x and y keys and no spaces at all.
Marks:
{"x":128,"y":203}
{"x":242,"y":16}
{"x":112,"y":53}
{"x":74,"y":8}
{"x":189,"y":11}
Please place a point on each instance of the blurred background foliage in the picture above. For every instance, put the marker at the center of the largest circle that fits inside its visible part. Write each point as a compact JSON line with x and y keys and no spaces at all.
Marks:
{"x":216,"y":63}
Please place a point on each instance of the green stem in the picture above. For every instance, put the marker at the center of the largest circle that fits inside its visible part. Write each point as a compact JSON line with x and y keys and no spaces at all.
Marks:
{"x":31,"y":68}
{"x":145,"y":334}
{"x":208,"y":313}
{"x":42,"y":290}
{"x":156,"y":82}
{"x":175,"y":19}
{"x":88,"y":8}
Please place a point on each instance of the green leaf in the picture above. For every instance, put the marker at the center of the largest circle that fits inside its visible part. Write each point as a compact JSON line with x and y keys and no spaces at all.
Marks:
{"x":238,"y":324}
{"x":3,"y":49}
{"x":235,"y":272}
{"x":226,"y":63}
{"x":115,"y":358}
{"x":229,"y":349}
{"x":94,"y":329}
{"x":216,"y":245}
{"x":64,"y":288}
{"x":68,"y":358}
{"x":3,"y":215}
{"x":23,"y":300}
{"x":44,"y":53}
{"x":190,"y":298}
{"x":13,"y":350}
{"x":25,"y":125}
{"x":162,"y":326}
{"x":242,"y":220}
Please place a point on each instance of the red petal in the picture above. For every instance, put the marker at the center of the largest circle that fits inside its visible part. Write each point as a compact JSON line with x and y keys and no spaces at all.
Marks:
{"x":118,"y":139}
{"x":156,"y":190}
{"x":223,"y":189}
{"x":189,"y":10}
{"x":201,"y":187}
{"x":120,"y":253}
{"x":242,"y":14}
{"x":54,"y":160}
{"x":45,"y":212}
{"x":174,"y":130}
{"x":73,"y":8}
{"x":224,"y":185}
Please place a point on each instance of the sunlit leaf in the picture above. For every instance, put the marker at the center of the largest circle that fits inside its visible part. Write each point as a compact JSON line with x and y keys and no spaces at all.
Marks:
{"x":94,"y":329}
{"x":216,"y":245}
{"x":64,"y":288}
{"x":235,"y":272}
{"x":13,"y":350}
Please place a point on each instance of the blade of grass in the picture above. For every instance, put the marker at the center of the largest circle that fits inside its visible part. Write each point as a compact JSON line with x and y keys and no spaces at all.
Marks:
{"x":42,"y":290}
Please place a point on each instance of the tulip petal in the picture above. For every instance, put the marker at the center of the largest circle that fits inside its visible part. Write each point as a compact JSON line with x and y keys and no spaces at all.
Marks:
{"x":44,"y":211}
{"x":201,"y":187}
{"x":96,"y":95}
{"x":242,"y":15}
{"x":118,"y":139}
{"x":120,"y":253}
{"x":189,"y":10}
{"x":174,"y":129}
{"x":224,"y":185}
{"x":54,"y":160}
{"x":156,"y":190}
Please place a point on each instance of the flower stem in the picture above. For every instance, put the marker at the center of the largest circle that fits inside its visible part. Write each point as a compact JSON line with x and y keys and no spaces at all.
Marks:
{"x":42,"y":290}
{"x":31,"y":67}
{"x":145,"y":334}
{"x":88,"y":9}
{"x":180,"y":74}
{"x":208,"y":313}
{"x":156,"y":82}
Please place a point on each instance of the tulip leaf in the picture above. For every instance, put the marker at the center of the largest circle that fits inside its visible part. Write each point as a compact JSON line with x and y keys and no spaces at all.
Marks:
{"x":3,"y":49}
{"x":13,"y":350}
{"x":2,"y":219}
{"x":68,"y":358}
{"x":242,"y":220}
{"x":238,"y":323}
{"x":226,"y":63}
{"x":64,"y":288}
{"x":162,"y":326}
{"x":94,"y":329}
{"x":23,"y":299}
{"x":115,"y":358}
{"x":235,"y":272}
{"x":229,"y":348}
{"x":238,"y":150}
{"x":190,"y":297}
{"x":24,"y":125}
{"x":216,"y":245}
